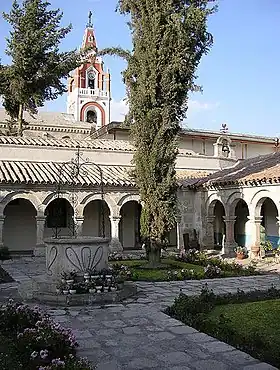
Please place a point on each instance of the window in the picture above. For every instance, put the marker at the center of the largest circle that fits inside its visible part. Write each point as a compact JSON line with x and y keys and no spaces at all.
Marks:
{"x":91,"y":116}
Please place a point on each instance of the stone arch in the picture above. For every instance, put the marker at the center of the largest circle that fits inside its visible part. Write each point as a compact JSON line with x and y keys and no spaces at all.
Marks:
{"x":50,"y":197}
{"x":19,"y":229}
{"x":232,"y":201}
{"x":128,"y":198}
{"x":211,"y":202}
{"x":97,"y":196}
{"x":258,"y":199}
{"x":92,"y":104}
{"x":31,"y":197}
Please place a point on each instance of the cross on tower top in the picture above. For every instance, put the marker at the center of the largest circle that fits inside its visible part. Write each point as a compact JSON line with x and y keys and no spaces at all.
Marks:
{"x":89,"y":24}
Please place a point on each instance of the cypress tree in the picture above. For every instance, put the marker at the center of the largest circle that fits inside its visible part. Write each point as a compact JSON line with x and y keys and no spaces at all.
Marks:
{"x":169,"y":38}
{"x":37,"y":65}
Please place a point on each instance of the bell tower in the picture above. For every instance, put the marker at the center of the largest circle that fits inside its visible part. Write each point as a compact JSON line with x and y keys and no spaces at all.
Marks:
{"x":89,"y":86}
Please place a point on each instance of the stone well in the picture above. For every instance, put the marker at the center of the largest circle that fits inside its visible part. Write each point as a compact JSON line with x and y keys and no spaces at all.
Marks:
{"x":75,"y":254}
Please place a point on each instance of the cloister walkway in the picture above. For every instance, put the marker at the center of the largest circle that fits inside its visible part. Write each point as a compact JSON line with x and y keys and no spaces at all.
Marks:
{"x":136,"y":334}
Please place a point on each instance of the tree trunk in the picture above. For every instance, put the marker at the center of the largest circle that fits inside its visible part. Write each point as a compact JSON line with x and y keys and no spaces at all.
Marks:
{"x":20,"y":119}
{"x":153,"y":255}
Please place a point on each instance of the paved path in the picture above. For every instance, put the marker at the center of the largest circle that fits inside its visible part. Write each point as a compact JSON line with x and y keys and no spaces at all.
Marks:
{"x":137,"y":335}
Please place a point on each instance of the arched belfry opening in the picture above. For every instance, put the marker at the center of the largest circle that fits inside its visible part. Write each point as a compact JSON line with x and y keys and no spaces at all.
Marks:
{"x":91,"y":116}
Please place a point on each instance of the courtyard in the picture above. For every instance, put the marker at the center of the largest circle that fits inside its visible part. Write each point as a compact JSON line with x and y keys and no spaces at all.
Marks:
{"x":136,"y":334}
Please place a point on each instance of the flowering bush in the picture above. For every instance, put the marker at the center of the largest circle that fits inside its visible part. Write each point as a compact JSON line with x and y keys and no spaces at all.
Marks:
{"x":212,"y":271}
{"x":199,"y":258}
{"x":36,"y":341}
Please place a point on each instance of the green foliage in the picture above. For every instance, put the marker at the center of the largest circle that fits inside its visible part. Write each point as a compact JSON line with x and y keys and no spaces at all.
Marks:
{"x":169,"y":38}
{"x":37,"y":65}
{"x":247,"y":321}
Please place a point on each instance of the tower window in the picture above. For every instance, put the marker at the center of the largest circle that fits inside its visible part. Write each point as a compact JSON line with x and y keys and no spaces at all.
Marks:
{"x":91,"y":80}
{"x":91,"y":116}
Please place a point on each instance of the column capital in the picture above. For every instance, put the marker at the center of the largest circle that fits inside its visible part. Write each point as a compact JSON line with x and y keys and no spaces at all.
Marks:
{"x":115,"y":218}
{"x":79,"y":218}
{"x":40,"y":218}
{"x":229,"y":219}
{"x":255,"y":219}
{"x":210,"y":219}
{"x":2,"y":218}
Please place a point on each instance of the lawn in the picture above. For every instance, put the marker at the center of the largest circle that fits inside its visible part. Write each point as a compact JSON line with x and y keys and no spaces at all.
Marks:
{"x":139,"y":272}
{"x":260,"y":317}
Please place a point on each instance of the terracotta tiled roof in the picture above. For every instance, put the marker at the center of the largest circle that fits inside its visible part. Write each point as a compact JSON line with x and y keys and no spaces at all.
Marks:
{"x":68,"y":143}
{"x":48,"y":173}
{"x":253,"y":171}
{"x":48,"y":118}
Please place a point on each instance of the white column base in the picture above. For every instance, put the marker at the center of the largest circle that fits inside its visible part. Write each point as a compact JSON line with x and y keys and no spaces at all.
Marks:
{"x":115,"y":245}
{"x":40,"y":250}
{"x":228,"y":249}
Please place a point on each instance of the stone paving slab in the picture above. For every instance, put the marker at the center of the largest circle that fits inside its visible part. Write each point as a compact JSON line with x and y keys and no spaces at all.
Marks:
{"x":135,"y":334}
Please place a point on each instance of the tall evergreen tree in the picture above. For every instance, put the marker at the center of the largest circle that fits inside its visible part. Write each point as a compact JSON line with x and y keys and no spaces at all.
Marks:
{"x":169,"y":38}
{"x":38,"y":67}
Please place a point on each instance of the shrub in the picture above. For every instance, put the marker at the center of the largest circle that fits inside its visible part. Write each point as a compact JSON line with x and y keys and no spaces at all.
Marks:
{"x":33,"y":341}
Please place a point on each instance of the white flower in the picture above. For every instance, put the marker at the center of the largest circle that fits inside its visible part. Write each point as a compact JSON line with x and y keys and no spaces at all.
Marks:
{"x":34,"y":354}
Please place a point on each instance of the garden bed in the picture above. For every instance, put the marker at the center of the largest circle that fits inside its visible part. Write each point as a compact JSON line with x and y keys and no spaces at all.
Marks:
{"x":249,"y":322}
{"x":193,"y":265}
{"x":30,"y":340}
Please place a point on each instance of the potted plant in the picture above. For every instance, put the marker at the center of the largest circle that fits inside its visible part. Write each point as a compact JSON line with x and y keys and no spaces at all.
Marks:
{"x":60,"y":287}
{"x":72,"y":289}
{"x":91,"y":287}
{"x":240,"y":252}
{"x":268,"y":247}
{"x":98,"y":285}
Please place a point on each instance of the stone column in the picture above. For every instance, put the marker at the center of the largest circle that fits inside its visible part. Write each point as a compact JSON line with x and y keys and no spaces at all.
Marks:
{"x":115,"y":244}
{"x":230,"y":243}
{"x":2,"y":219}
{"x":79,"y":220}
{"x":257,"y":220}
{"x":40,"y":245}
{"x":209,"y":233}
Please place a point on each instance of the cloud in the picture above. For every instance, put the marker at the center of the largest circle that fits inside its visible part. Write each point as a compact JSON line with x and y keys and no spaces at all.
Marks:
{"x":195,"y":105}
{"x":119,"y":108}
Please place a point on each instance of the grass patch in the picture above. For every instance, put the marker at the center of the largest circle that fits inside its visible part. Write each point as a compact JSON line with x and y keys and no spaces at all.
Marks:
{"x":139,"y":272}
{"x":253,"y":317}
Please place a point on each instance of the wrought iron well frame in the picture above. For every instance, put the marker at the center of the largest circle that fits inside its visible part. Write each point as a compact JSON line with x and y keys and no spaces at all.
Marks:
{"x":77,"y":168}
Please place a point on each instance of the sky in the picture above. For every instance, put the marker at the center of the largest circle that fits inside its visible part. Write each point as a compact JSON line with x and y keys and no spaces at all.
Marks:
{"x":240,"y":75}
